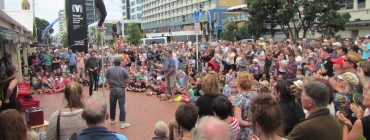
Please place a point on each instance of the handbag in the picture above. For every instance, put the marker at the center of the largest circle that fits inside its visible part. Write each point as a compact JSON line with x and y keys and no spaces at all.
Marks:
{"x":58,"y":126}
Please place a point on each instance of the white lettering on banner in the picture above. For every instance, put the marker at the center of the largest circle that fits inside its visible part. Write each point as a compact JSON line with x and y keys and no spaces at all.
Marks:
{"x":79,"y":42}
{"x":77,"y":8}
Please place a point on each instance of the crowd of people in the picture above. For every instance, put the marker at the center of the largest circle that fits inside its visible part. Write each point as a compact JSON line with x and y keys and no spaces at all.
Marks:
{"x":304,"y":89}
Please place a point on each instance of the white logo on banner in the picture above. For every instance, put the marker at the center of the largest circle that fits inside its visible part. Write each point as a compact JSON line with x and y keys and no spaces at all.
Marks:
{"x":77,"y":8}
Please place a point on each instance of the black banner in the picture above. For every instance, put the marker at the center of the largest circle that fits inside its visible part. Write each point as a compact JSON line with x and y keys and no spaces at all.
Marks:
{"x":76,"y":25}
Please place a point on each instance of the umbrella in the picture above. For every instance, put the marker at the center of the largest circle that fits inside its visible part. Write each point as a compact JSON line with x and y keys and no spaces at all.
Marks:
{"x":37,"y":44}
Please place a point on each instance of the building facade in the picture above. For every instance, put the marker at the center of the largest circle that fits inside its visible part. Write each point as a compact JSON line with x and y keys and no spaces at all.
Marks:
{"x":90,"y":12}
{"x":61,"y":21}
{"x":161,"y":15}
{"x":131,"y":9}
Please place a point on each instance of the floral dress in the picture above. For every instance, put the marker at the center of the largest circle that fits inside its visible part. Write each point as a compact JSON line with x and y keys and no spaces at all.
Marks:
{"x":243,"y":101}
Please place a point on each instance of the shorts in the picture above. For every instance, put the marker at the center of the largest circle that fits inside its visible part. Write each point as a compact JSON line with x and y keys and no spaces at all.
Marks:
{"x":170,"y":80}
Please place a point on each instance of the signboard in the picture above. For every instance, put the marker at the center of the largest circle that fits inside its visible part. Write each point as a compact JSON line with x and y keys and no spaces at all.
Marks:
{"x":196,"y":22}
{"x":76,"y":25}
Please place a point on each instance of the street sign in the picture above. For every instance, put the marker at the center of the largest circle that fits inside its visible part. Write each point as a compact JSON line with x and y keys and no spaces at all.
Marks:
{"x":197,"y":28}
{"x":196,"y":22}
{"x":196,"y":16}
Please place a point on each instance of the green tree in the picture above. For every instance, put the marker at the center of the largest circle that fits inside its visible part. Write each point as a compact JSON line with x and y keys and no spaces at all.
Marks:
{"x":134,"y":34}
{"x":335,"y":22}
{"x":293,"y":16}
{"x":243,"y":32}
{"x":41,"y":24}
{"x":64,"y":40}
{"x":231,"y":32}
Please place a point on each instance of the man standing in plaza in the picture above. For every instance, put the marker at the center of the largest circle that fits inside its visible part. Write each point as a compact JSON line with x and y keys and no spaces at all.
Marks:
{"x":71,"y":60}
{"x":117,"y":79}
{"x":170,"y":74}
{"x":92,"y":65}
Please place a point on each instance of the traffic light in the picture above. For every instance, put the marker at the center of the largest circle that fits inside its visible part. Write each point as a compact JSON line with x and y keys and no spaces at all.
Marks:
{"x":200,"y":7}
{"x":162,"y":35}
{"x":183,"y":18}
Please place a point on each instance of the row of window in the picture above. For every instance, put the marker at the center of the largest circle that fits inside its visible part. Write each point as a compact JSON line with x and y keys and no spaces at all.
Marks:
{"x":168,"y":6}
{"x":139,"y":8}
{"x":147,"y":18}
{"x":348,"y":4}
{"x":134,"y":2}
{"x":138,"y":17}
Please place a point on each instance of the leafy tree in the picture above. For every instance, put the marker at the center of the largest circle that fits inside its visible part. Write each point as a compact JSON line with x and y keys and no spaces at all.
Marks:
{"x":64,"y":40}
{"x":134,"y":34}
{"x":41,"y":24}
{"x":334,"y":23}
{"x":244,"y":32}
{"x":230,"y":32}
{"x":292,"y":16}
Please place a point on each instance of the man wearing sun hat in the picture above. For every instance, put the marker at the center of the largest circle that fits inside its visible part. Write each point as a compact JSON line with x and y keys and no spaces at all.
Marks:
{"x":350,"y":65}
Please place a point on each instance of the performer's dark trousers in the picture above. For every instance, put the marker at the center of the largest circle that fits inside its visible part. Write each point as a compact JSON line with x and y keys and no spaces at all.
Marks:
{"x":103,"y":13}
{"x":93,"y":81}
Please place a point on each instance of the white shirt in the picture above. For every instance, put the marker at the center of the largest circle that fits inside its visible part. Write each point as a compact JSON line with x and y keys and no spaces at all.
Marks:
{"x":261,"y":62}
{"x":299,"y":59}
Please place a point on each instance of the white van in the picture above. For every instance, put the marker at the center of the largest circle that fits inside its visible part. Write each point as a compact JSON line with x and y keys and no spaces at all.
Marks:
{"x":157,"y":40}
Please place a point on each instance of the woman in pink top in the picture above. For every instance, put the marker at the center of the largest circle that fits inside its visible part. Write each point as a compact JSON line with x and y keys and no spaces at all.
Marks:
{"x":80,"y":65}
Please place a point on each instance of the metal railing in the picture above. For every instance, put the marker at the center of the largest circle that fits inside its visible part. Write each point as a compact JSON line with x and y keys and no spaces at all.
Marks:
{"x":236,"y":18}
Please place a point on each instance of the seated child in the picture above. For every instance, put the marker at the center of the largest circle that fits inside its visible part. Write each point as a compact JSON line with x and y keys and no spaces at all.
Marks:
{"x":66,"y":80}
{"x":58,"y":86}
{"x":141,"y":87}
{"x":131,"y":85}
{"x":158,"y":89}
{"x":101,"y":80}
{"x":44,"y":87}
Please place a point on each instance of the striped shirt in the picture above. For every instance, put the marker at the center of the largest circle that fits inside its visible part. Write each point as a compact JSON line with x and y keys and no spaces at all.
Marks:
{"x":234,"y":124}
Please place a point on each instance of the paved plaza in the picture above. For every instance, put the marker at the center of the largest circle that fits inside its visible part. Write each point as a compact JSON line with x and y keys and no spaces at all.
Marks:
{"x":142,"y":112}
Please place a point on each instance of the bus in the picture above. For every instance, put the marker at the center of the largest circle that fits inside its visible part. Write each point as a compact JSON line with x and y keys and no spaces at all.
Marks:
{"x":157,"y":40}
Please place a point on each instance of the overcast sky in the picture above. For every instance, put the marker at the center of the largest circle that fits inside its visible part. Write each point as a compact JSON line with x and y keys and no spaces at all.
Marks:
{"x":48,"y":9}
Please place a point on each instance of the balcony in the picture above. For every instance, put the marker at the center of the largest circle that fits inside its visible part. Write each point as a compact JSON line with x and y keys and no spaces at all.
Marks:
{"x":236,"y":18}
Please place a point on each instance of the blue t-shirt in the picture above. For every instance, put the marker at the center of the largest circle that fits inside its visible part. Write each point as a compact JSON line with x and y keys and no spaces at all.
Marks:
{"x":72,"y":59}
{"x":168,"y":63}
{"x":365,"y":55}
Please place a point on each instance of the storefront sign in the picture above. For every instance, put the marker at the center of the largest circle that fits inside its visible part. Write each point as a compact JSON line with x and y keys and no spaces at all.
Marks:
{"x":76,"y":25}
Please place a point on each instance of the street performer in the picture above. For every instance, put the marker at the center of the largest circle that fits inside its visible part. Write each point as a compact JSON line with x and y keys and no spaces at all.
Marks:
{"x":92,"y":65}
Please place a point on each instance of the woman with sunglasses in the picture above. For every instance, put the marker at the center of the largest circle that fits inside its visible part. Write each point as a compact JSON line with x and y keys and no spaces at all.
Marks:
{"x":10,"y":89}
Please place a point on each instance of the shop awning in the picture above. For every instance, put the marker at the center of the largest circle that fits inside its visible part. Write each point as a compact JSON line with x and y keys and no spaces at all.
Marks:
{"x":37,"y":44}
{"x":239,"y":8}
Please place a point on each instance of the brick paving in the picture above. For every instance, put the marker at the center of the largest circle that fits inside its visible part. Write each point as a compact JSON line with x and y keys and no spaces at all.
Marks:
{"x":142,"y":112}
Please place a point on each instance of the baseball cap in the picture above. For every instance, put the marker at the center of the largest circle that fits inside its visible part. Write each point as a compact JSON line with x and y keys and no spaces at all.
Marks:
{"x":367,"y":36}
{"x":261,"y":38}
{"x":337,"y":44}
{"x":339,"y":60}
{"x":327,"y":49}
{"x":291,"y":54}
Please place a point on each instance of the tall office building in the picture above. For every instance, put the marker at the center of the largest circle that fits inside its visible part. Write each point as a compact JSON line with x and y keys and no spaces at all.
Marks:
{"x":90,"y":12}
{"x":61,"y":21}
{"x":2,"y":4}
{"x":159,"y":15}
{"x":131,"y":9}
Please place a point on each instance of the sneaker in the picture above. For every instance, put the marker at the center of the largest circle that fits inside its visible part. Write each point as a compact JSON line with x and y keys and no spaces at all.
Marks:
{"x":112,"y":121}
{"x":125,"y":125}
{"x":101,"y":28}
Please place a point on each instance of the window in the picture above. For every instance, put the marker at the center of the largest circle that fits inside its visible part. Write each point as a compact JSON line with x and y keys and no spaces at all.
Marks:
{"x":133,"y":17}
{"x":347,"y":4}
{"x":361,"y":4}
{"x":139,"y":16}
{"x":139,"y":1}
{"x":133,"y":3}
{"x":139,"y":8}
{"x":133,"y":10}
{"x":123,"y":7}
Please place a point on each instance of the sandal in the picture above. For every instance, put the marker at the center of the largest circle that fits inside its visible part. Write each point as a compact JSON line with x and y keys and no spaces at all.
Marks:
{"x":170,"y":101}
{"x":163,"y":99}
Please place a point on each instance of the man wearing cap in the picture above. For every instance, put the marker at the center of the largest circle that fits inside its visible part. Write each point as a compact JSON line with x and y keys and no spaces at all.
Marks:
{"x":92,"y":65}
{"x":290,"y":67}
{"x":336,"y":47}
{"x":338,"y":66}
{"x":117,"y":79}
{"x":366,"y":49}
{"x":327,"y":65}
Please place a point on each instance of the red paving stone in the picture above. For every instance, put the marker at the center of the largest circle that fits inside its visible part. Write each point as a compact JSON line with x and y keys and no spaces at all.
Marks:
{"x":142,"y":112}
